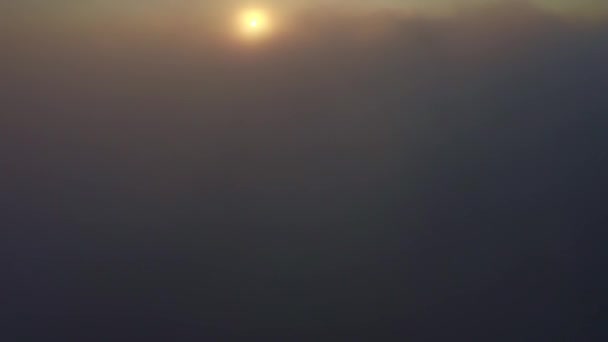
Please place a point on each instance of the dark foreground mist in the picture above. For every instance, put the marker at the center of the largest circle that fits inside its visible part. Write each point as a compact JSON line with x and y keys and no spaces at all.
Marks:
{"x":370,"y":178}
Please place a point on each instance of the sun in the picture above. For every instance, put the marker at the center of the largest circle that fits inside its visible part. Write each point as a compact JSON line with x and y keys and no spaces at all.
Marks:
{"x":254,"y":23}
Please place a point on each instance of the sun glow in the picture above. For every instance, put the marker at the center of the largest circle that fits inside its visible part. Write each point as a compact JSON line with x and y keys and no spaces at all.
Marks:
{"x":254,"y":23}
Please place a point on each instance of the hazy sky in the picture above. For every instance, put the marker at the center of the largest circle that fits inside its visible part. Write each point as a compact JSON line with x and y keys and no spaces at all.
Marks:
{"x":422,"y":4}
{"x":383,"y":178}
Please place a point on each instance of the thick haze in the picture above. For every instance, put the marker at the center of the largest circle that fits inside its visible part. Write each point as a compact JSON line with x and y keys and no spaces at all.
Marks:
{"x":375,"y":175}
{"x":91,"y":9}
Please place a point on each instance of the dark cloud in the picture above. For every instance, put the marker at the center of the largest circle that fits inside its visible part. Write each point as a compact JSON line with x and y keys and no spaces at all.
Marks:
{"x":372,"y":175}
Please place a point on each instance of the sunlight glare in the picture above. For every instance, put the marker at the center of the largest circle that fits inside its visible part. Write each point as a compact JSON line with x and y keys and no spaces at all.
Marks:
{"x":254,"y":23}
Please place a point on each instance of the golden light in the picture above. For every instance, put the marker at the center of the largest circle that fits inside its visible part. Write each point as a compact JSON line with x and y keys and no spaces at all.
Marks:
{"x":254,"y":23}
